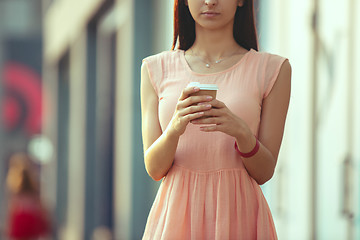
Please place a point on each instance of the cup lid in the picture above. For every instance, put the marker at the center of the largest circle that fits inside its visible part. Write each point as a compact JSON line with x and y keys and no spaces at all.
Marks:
{"x":203,"y":86}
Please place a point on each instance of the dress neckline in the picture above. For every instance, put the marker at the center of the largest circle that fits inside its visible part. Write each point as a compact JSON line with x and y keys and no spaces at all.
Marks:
{"x":187,"y":66}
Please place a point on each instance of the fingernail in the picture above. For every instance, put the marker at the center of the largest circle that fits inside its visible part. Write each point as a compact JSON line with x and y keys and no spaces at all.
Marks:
{"x":196,"y":89}
{"x":209,"y":97}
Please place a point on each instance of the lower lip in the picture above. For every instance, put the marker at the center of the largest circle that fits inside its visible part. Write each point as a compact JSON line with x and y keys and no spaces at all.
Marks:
{"x":210,"y":14}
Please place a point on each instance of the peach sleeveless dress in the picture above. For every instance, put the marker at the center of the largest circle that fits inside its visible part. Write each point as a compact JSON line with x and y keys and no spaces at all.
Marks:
{"x":207,"y":193}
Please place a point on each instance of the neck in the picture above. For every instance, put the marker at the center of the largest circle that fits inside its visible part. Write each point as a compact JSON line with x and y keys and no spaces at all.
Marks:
{"x":215,"y":44}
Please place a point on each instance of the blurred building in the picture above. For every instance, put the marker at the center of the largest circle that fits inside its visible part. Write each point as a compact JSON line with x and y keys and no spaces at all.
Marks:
{"x":315,"y":190}
{"x":20,"y":83}
{"x":92,"y":57}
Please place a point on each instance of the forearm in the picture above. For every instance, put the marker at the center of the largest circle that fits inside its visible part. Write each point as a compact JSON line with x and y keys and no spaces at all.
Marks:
{"x":260,"y":166}
{"x":160,"y":155}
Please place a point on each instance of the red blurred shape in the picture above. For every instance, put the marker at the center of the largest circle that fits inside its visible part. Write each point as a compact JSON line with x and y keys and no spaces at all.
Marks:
{"x":26,"y":83}
{"x":11,"y":111}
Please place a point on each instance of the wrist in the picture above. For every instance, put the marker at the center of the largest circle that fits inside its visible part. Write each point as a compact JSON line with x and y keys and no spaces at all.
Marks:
{"x":251,"y":153}
{"x":247,"y":144}
{"x":244,"y":137}
{"x":171,"y":134}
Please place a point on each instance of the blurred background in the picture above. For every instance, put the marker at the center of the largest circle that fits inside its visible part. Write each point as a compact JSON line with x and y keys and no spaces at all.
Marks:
{"x":70,"y":99}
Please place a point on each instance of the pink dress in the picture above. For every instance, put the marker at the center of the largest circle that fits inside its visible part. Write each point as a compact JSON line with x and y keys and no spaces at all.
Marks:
{"x":207,"y":193}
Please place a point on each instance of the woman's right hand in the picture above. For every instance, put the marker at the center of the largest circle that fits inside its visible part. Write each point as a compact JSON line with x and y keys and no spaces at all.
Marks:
{"x":187,"y":109}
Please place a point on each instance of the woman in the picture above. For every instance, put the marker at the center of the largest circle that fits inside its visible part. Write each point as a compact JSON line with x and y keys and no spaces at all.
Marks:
{"x":212,"y":167}
{"x":28,"y":219}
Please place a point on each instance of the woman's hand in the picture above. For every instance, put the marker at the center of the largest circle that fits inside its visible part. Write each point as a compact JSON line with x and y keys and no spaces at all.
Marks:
{"x":188,"y":108}
{"x":220,"y":118}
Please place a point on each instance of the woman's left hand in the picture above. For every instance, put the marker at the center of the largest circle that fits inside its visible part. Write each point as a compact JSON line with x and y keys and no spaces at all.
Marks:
{"x":220,"y":118}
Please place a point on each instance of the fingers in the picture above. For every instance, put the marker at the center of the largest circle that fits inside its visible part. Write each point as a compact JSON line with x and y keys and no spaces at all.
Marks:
{"x":207,"y":120}
{"x":187,"y":92}
{"x":195,"y":108}
{"x":196,"y":99}
{"x":217,"y":104}
{"x":213,"y":112}
{"x":192,"y":100}
{"x":217,"y":107}
{"x":213,"y":115}
{"x":189,"y":117}
{"x":211,"y":128}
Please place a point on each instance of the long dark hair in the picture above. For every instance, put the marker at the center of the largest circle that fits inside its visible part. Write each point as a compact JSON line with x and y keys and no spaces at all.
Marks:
{"x":244,"y":26}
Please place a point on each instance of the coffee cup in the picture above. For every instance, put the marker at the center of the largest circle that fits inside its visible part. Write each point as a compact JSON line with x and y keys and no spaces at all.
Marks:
{"x":205,"y":89}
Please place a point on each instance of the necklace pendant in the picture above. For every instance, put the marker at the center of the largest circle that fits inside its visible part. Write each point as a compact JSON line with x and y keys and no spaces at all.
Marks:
{"x":207,"y":65}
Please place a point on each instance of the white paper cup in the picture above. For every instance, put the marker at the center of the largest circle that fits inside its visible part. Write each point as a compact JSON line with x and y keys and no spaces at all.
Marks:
{"x":205,"y":89}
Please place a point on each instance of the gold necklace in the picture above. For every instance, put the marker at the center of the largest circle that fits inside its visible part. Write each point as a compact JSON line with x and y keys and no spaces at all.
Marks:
{"x":209,"y":64}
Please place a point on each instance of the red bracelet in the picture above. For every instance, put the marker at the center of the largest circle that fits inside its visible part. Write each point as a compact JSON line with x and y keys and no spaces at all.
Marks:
{"x":251,"y":153}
